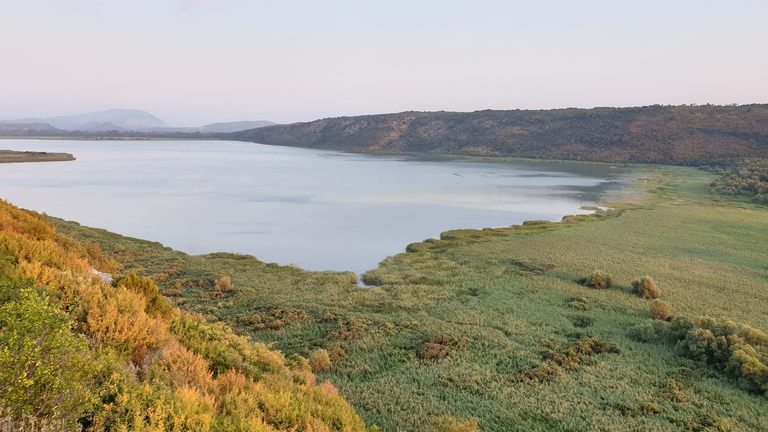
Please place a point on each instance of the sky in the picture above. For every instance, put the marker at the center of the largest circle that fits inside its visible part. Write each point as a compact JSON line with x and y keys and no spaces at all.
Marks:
{"x":192,"y":62}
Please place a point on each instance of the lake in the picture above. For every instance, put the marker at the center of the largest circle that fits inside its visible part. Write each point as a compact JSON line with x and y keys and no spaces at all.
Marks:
{"x":317,"y":209}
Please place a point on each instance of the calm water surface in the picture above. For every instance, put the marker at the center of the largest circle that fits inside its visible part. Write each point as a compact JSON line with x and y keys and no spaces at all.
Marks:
{"x":318,"y":209}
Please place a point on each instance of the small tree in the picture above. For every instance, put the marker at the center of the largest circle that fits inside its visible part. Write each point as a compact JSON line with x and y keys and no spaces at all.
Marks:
{"x":600,"y":280}
{"x":646,"y":288}
{"x":660,"y":310}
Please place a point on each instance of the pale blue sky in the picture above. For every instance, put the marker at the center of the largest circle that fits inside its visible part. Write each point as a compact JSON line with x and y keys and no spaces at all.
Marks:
{"x":197,"y":61}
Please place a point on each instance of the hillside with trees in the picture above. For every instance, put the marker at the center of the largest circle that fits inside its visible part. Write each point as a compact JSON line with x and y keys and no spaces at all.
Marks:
{"x":651,"y":134}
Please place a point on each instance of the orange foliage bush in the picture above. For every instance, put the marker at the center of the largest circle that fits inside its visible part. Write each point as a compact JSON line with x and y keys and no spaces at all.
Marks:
{"x":660,"y":310}
{"x":177,"y":367}
{"x":116,"y":318}
{"x":320,"y":360}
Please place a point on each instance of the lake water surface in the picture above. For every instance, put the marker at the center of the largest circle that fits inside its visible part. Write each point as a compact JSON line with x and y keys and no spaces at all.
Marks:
{"x":318,"y":209}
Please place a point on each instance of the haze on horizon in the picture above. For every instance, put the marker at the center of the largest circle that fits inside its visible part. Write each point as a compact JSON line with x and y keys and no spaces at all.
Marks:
{"x":192,"y":62}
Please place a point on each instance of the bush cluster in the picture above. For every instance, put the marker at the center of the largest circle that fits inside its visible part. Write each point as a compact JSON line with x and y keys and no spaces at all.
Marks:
{"x":646,"y":288}
{"x":740,"y":351}
{"x":748,"y":178}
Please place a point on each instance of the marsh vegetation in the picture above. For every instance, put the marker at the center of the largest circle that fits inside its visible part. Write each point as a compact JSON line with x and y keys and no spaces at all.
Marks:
{"x":492,"y":328}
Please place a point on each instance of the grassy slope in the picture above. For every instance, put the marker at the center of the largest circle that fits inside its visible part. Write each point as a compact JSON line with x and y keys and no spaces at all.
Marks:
{"x":506,"y":292}
{"x":78,"y":351}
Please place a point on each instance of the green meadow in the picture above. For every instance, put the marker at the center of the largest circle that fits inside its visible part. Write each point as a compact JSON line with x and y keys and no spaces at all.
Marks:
{"x":496,"y":329}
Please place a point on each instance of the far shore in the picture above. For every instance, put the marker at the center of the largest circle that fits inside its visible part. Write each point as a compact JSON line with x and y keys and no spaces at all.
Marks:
{"x":11,"y":156}
{"x":92,"y":137}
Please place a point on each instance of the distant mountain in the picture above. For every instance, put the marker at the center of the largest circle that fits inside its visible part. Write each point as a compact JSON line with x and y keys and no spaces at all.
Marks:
{"x":235,"y":126}
{"x":27,"y":128}
{"x":94,"y":126}
{"x":108,"y":120}
{"x":120,"y":120}
{"x":656,"y":134}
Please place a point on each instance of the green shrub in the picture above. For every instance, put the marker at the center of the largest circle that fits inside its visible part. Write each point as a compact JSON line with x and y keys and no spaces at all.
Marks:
{"x":750,"y":366}
{"x":748,"y":178}
{"x":11,"y":286}
{"x":646,"y":288}
{"x":738,"y":350}
{"x":43,"y":364}
{"x":599,"y":280}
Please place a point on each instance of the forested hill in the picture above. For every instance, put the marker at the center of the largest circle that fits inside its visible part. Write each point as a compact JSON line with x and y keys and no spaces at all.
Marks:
{"x":656,"y":134}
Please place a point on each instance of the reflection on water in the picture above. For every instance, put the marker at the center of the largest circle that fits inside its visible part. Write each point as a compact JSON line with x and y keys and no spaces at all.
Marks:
{"x":317,"y":209}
